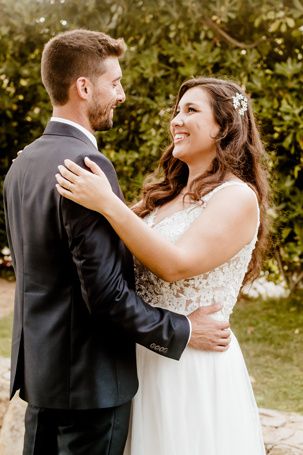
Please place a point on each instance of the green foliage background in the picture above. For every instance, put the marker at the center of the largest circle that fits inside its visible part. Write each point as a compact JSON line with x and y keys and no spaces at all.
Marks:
{"x":258,"y":43}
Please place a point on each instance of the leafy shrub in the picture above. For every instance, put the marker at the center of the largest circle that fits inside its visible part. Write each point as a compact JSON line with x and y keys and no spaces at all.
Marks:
{"x":258,"y":43}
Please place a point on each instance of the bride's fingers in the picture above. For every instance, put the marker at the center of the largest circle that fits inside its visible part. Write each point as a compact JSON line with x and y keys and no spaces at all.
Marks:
{"x":68,"y":175}
{"x":65,"y":193}
{"x":93,"y":166}
{"x":74,"y":168}
{"x":66,"y":184}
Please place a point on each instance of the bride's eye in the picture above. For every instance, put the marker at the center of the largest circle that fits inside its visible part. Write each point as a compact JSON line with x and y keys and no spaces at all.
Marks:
{"x":192,"y":109}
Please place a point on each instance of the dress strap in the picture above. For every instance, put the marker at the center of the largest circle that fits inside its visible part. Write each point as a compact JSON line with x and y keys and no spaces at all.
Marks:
{"x":223,"y":185}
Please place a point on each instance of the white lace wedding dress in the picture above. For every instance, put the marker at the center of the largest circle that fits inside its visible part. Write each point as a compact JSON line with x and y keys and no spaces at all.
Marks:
{"x":204,"y":403}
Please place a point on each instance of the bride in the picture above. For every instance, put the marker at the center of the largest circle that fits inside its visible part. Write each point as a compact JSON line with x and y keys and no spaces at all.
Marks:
{"x":197,"y":236}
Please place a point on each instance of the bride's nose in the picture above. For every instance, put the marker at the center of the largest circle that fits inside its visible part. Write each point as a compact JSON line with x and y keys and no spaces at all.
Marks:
{"x":177,"y":120}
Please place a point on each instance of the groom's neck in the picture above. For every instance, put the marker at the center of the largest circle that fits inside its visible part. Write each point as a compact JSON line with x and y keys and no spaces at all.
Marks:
{"x":72,"y":113}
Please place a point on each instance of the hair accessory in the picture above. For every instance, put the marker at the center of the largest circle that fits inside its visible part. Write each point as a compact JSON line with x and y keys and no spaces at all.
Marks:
{"x":240,"y":103}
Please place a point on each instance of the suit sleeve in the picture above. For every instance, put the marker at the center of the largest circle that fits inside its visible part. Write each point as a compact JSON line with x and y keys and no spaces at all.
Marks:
{"x":96,"y":252}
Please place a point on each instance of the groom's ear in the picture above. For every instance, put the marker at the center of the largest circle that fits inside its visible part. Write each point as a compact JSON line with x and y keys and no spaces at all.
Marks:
{"x":82,"y":86}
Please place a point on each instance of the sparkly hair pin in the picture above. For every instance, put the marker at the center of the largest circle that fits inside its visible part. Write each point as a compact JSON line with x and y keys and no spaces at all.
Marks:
{"x":240,"y":103}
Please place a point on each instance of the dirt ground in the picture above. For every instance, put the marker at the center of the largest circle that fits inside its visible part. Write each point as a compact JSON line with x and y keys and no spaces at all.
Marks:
{"x":7,"y":292}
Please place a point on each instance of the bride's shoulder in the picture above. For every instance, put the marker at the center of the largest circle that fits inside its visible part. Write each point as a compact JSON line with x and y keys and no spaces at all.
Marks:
{"x":235,"y":188}
{"x":233,"y":195}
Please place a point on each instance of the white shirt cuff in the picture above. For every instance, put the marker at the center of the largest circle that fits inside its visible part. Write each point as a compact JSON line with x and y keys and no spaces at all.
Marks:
{"x":190,"y":330}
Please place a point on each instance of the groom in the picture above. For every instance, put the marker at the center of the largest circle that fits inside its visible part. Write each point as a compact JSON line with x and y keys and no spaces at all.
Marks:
{"x":77,"y":317}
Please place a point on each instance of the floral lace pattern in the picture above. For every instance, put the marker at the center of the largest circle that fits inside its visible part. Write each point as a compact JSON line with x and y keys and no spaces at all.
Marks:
{"x":220,"y":285}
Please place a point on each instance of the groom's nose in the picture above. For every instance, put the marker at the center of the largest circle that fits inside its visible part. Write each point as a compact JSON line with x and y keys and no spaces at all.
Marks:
{"x":121,"y":94}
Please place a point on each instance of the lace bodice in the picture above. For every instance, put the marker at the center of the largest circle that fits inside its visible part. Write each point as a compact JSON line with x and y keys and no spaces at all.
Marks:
{"x":220,"y":285}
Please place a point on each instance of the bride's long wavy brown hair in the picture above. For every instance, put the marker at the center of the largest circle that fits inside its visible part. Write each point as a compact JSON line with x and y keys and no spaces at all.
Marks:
{"x":239,"y":150}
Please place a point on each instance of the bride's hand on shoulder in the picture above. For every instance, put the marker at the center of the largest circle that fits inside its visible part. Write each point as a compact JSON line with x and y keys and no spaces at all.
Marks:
{"x":88,"y":188}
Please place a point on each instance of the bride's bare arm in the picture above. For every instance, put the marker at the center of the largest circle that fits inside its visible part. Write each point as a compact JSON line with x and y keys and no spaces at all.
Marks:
{"x":225,"y":226}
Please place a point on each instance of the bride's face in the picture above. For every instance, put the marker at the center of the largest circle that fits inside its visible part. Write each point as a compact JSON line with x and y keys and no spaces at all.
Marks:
{"x":194,"y":128}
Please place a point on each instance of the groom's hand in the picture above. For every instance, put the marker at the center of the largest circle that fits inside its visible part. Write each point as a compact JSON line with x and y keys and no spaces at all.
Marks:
{"x":207,"y":333}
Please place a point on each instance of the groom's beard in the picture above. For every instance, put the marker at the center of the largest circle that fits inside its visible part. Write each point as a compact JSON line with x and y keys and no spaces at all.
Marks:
{"x":101,"y":117}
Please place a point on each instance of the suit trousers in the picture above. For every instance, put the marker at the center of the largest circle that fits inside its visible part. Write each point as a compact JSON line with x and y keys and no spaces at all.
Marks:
{"x":76,"y":432}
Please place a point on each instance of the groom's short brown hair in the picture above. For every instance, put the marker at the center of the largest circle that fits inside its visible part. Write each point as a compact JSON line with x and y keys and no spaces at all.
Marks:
{"x":73,"y":54}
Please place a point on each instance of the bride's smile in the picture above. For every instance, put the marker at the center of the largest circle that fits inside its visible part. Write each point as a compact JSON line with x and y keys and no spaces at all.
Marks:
{"x":194,"y":129}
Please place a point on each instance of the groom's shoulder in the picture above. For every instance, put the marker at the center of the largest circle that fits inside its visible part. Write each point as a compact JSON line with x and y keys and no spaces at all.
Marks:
{"x":99,"y":158}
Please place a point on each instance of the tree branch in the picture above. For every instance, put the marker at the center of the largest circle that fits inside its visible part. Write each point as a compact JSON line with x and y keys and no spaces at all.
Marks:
{"x":279,"y":260}
{"x":296,"y":282}
{"x":215,"y":28}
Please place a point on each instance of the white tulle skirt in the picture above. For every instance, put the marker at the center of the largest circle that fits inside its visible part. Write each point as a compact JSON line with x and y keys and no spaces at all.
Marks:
{"x":200,"y":405}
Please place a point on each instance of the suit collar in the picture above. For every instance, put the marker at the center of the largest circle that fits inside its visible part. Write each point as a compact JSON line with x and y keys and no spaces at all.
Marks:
{"x":63,"y":129}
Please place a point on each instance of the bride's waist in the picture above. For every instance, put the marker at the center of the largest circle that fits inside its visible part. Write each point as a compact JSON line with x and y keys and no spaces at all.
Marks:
{"x":221,"y":315}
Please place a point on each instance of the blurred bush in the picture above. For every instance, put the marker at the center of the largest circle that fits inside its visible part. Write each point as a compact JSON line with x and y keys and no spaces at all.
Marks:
{"x":255,"y":42}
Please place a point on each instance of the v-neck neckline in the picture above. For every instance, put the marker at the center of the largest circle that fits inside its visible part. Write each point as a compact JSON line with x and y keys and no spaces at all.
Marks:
{"x":153,"y":215}
{"x":199,"y":203}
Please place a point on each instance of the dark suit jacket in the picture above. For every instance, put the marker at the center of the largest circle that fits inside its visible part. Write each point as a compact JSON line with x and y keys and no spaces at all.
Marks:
{"x":76,"y":317}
